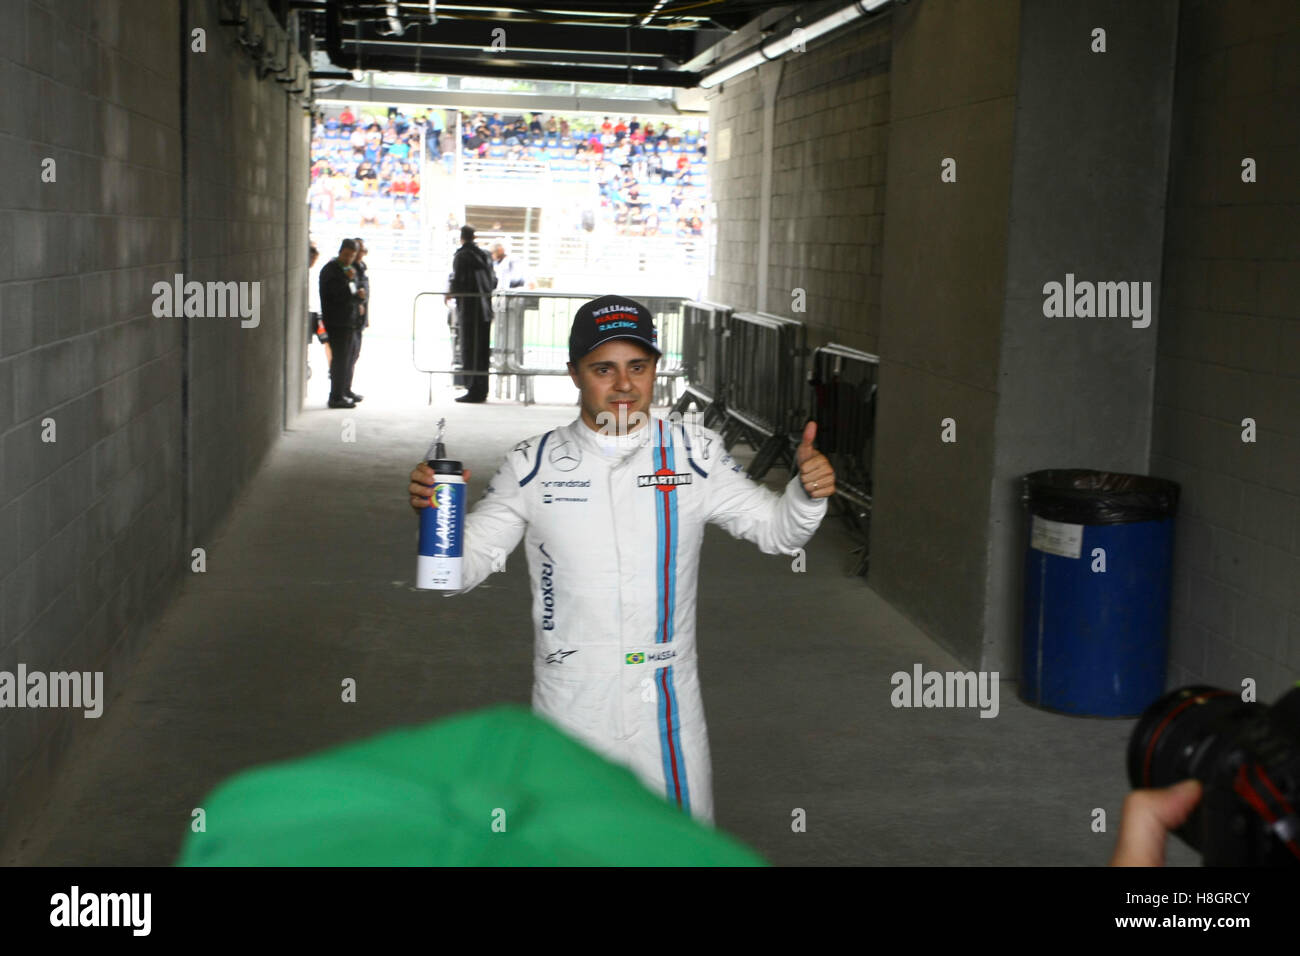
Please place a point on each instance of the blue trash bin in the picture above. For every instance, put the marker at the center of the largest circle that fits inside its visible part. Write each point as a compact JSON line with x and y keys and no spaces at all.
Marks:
{"x":1094,"y":641}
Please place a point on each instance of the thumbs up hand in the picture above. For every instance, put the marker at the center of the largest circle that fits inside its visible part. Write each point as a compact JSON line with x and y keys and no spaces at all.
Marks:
{"x":815,"y":471}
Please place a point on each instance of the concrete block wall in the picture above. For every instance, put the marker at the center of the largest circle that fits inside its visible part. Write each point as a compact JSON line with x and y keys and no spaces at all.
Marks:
{"x":828,"y":187}
{"x":830,"y":132}
{"x":1229,"y":347}
{"x":953,"y":95}
{"x":735,"y":186}
{"x":92,"y":525}
{"x":1090,"y":162}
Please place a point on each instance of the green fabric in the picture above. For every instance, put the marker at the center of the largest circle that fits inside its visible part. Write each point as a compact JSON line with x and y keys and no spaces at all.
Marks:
{"x":429,"y":796}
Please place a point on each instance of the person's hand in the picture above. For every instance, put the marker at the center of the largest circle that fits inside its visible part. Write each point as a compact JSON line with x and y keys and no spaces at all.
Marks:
{"x":422,"y":481}
{"x":1146,"y":820}
{"x":815,"y":469}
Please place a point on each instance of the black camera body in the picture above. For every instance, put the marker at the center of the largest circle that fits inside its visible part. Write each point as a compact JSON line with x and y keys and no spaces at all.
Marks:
{"x":1246,"y":755}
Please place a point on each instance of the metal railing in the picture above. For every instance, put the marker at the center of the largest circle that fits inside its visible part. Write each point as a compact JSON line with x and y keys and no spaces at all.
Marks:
{"x":844,"y":387}
{"x":703,"y":359}
{"x":763,"y":386}
{"x":513,"y":170}
{"x":530,"y":337}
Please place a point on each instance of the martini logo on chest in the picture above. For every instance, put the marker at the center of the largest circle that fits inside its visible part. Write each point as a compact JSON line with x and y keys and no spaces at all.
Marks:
{"x":665,"y":479}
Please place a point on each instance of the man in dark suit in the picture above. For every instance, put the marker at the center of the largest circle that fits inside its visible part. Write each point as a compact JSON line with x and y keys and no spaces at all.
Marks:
{"x":363,"y":308}
{"x":340,"y":296}
{"x":471,"y":271}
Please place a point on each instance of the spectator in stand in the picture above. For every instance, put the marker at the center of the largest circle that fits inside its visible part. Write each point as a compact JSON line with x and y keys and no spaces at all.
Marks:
{"x":401,"y":149}
{"x":358,"y":141}
{"x":447,"y":143}
{"x":397,"y":222}
{"x":564,"y":129}
{"x":677,"y":198}
{"x":397,"y":189}
{"x":535,"y":127}
{"x":496,"y":124}
{"x":633,"y":127}
{"x":347,"y":119}
{"x":369,"y":215}
{"x":620,"y":130}
{"x":401,"y":123}
{"x":366,"y":171}
{"x":552,"y":127}
{"x":655,"y":167}
{"x":607,"y":126}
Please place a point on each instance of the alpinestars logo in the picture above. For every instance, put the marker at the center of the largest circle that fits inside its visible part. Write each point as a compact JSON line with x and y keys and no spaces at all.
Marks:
{"x":557,"y":657}
{"x":663,"y":479}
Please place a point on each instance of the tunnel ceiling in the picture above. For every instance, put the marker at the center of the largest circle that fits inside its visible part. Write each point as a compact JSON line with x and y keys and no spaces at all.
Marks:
{"x":643,"y":42}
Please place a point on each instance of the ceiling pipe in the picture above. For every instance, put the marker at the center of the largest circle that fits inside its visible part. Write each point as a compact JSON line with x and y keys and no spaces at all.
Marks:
{"x":771,"y":50}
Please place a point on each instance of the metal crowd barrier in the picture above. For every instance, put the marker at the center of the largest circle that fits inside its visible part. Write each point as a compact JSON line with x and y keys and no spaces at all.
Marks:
{"x":844,"y":386}
{"x":763,"y":386}
{"x":530,"y":337}
{"x":703,"y":359}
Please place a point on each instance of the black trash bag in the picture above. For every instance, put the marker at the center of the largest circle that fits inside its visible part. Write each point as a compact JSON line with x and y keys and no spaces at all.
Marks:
{"x":1083,"y":496}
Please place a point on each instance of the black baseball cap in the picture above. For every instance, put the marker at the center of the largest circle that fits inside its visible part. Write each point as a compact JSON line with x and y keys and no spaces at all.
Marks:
{"x":611,"y":317}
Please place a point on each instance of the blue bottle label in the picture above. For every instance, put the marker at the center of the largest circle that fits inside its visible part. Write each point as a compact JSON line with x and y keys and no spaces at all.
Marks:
{"x":442,"y":524}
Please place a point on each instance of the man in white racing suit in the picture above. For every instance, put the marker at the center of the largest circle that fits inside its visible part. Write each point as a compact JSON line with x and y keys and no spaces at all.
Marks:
{"x":612,"y":509}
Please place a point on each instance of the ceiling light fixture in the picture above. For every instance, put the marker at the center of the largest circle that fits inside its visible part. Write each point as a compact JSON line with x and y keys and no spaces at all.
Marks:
{"x":770,"y":51}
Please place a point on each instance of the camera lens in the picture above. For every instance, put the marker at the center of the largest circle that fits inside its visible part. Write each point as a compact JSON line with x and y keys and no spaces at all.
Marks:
{"x":1174,"y":734}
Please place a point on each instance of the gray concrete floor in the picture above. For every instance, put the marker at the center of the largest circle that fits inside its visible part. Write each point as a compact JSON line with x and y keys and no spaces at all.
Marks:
{"x":309,"y":581}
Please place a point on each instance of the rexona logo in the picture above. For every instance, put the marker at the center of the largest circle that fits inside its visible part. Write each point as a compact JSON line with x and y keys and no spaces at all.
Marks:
{"x":548,"y":591}
{"x":664,"y":479}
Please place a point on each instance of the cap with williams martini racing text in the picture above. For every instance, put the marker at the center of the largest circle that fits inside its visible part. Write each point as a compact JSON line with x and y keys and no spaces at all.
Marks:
{"x":611,"y":317}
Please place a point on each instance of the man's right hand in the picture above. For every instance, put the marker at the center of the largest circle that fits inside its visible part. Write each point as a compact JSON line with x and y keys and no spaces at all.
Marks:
{"x":422,"y":481}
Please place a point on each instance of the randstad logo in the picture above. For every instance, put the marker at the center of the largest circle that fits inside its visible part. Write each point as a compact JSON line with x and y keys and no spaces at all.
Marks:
{"x":637,"y":658}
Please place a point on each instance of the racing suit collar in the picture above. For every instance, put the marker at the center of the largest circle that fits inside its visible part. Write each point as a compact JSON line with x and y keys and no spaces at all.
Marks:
{"x":598,"y":443}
